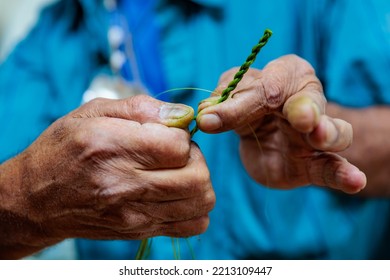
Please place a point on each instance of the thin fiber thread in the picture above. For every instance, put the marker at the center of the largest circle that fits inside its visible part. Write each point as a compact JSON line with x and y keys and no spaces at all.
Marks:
{"x":241,"y":72}
{"x":144,"y":248}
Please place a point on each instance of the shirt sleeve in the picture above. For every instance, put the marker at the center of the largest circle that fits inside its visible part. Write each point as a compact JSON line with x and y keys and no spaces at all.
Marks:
{"x":355,"y":39}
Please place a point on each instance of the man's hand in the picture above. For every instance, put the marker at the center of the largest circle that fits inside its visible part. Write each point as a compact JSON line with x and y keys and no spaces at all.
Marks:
{"x":287,"y":140}
{"x":112,"y":169}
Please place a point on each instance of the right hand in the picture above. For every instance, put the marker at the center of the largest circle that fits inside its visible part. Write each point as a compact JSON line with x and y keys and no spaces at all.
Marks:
{"x":116,"y":169}
{"x":283,"y":105}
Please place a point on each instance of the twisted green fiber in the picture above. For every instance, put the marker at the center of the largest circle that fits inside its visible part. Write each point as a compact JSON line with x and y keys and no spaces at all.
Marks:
{"x":241,"y":72}
{"x":245,"y":66}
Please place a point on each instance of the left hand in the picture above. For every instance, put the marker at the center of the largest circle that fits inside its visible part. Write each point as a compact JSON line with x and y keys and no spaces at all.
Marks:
{"x":287,"y":140}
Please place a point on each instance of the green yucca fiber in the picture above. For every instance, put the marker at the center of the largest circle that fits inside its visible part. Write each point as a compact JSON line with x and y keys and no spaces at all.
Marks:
{"x":241,"y":72}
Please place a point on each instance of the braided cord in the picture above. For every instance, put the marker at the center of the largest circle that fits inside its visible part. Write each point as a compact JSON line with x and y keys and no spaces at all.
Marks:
{"x":241,"y":72}
{"x":245,"y":66}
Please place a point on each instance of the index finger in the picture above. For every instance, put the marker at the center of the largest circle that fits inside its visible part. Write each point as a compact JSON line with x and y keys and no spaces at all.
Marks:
{"x":264,"y":92}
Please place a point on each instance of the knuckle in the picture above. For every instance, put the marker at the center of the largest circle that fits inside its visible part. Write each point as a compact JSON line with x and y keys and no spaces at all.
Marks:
{"x":90,"y":141}
{"x":301,"y":64}
{"x":204,"y":180}
{"x":91,"y":106}
{"x":138,"y":99}
{"x":202,"y":173}
{"x":345,"y":134}
{"x":126,"y":220}
{"x":269,"y":92}
{"x":284,"y":77}
{"x":194,"y":227}
{"x":202,"y":225}
{"x":199,"y":182}
{"x":96,"y":101}
{"x":172,"y":149}
{"x":134,"y":102}
{"x":82,"y":140}
{"x":136,"y":106}
{"x":122,"y":224}
{"x":105,"y":196}
{"x":129,"y":223}
{"x":179,"y":146}
{"x":209,"y":201}
{"x":198,"y":206}
{"x":84,"y":143}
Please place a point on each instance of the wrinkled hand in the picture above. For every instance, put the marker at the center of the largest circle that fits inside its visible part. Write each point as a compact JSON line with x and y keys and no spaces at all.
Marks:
{"x":118,"y":169}
{"x":287,"y":140}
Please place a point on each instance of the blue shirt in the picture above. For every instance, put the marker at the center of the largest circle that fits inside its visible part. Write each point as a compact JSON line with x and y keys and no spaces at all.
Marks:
{"x":348,"y":43}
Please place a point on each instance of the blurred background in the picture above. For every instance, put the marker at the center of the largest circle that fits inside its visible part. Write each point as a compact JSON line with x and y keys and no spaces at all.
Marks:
{"x":16,"y":19}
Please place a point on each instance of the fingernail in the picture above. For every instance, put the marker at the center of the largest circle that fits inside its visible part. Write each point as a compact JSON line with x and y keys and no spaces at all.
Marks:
{"x":174,"y":111}
{"x":209,"y":122}
{"x":176,"y":115}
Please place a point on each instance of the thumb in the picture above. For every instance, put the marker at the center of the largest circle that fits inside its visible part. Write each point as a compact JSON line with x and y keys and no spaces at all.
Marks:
{"x":243,"y":106}
{"x":139,"y":108}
